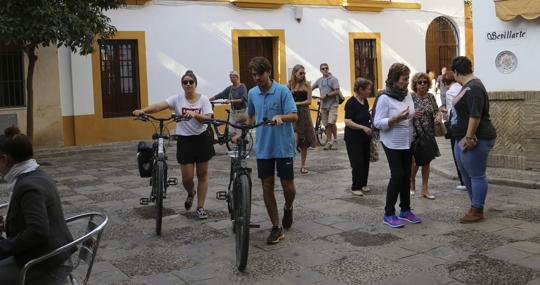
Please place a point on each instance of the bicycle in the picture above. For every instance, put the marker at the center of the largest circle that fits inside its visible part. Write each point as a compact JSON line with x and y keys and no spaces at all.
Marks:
{"x":320,"y":132}
{"x":223,"y":138}
{"x":156,"y":158}
{"x":238,"y":194}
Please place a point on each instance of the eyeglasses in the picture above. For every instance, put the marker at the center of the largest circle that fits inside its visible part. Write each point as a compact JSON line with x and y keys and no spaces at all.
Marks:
{"x":188,"y":82}
{"x":324,"y":68}
{"x":423,"y":82}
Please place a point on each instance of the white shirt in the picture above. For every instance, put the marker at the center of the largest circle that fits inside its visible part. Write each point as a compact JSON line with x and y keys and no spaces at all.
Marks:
{"x":451,"y":93}
{"x":181,"y":105}
{"x":399,"y":135}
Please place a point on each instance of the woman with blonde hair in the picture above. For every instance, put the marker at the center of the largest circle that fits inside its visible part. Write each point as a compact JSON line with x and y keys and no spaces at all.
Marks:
{"x":301,"y":91}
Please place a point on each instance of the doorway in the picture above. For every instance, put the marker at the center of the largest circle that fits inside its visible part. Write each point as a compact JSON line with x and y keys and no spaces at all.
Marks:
{"x":441,"y":44}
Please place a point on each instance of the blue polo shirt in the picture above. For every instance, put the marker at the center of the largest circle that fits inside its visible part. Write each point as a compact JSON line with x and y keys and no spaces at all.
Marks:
{"x":272,"y":141}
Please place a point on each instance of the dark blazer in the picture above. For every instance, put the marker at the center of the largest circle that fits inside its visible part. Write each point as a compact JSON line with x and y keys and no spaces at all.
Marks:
{"x":35,"y":223}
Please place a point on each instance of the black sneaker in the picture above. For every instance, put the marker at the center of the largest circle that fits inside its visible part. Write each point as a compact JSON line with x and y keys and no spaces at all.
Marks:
{"x":287,"y":218}
{"x":189,"y":200}
{"x":275,"y":235}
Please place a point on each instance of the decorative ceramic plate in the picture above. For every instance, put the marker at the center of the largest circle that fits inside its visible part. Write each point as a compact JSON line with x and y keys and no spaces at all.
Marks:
{"x":506,"y":62}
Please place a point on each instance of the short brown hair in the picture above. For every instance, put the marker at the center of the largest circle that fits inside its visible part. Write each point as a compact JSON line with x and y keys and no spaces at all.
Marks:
{"x":15,"y":145}
{"x":417,"y":77}
{"x":395,"y":72}
{"x":361,"y":83}
{"x":448,"y":77}
{"x":260,"y":65}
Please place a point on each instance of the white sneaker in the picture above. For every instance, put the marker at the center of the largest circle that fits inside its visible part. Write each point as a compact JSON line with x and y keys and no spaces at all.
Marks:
{"x":357,"y":192}
{"x":327,"y":146}
{"x":366,"y":189}
{"x":461,"y":188}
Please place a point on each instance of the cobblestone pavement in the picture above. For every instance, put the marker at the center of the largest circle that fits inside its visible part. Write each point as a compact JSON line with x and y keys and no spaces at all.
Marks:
{"x":335,"y":239}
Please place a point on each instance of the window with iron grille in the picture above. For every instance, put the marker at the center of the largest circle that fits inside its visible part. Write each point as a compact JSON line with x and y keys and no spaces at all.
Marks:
{"x":366,"y":61}
{"x":11,"y":77}
{"x":119,"y":77}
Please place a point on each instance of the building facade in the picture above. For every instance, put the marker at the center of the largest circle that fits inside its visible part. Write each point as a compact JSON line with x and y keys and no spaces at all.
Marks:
{"x":159,"y":40}
{"x":505,"y":36}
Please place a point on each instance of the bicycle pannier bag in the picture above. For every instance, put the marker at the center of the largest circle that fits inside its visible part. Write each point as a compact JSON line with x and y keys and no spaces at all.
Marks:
{"x":145,"y":155}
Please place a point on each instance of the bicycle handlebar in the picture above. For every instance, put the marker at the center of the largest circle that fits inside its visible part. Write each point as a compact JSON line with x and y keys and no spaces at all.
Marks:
{"x":148,"y":117}
{"x":265,"y":121}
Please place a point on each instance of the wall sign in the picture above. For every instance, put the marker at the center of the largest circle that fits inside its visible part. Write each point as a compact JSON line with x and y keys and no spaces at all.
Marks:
{"x":506,"y":62}
{"x":506,"y":35}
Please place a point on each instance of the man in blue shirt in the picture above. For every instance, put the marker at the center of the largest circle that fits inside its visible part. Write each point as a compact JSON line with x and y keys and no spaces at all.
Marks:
{"x":275,"y":145}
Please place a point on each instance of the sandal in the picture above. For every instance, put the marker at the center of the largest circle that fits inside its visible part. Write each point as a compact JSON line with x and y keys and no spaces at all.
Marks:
{"x":303,"y":170}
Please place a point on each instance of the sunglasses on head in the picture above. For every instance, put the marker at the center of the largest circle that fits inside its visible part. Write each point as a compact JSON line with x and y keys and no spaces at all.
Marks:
{"x":188,"y":82}
{"x":422,"y":82}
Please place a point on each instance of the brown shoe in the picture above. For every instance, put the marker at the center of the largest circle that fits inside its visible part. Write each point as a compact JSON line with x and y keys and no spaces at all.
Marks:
{"x":474,"y":215}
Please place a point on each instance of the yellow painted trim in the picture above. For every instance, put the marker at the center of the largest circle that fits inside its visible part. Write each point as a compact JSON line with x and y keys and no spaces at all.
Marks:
{"x":351,"y":5}
{"x":94,"y":129}
{"x":279,"y":64}
{"x":68,"y":123}
{"x":469,"y":44}
{"x":136,"y":2}
{"x":377,"y":38}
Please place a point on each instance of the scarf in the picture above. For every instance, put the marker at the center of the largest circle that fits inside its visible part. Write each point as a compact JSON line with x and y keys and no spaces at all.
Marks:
{"x":395,"y":92}
{"x":18,"y":169}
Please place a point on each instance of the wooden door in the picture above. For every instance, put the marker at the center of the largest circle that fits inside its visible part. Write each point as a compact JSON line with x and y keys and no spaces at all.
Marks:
{"x":119,"y":77}
{"x":250,"y":47}
{"x":441,"y":44}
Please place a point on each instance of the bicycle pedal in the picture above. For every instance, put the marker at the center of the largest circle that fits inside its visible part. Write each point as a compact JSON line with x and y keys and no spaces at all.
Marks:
{"x":221,"y":195}
{"x":172,"y":181}
{"x":256,"y":226}
{"x":144,"y":201}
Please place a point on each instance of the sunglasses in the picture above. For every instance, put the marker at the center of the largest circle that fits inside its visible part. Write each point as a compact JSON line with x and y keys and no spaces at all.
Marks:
{"x":188,"y":82}
{"x":302,"y":73}
{"x":324,"y":68}
{"x":423,"y":82}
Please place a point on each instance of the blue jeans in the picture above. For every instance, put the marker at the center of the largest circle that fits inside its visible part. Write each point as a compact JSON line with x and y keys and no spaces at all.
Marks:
{"x":472,"y":165}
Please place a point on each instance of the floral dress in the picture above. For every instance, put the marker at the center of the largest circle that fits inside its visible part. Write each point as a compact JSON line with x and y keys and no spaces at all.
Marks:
{"x":425,"y":125}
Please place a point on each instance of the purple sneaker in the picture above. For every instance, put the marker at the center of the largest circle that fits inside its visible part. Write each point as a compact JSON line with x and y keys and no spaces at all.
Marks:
{"x":393,"y":221}
{"x":410,"y":217}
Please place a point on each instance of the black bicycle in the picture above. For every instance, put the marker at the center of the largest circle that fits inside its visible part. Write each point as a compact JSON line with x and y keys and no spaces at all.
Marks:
{"x":152,"y":160}
{"x":238,"y":194}
{"x":224,"y":138}
{"x":320,"y":132}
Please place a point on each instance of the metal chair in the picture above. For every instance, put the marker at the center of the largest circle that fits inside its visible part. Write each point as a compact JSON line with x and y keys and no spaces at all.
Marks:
{"x":87,"y":246}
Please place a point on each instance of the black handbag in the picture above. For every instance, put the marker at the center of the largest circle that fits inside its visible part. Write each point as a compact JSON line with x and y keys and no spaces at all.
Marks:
{"x":424,"y":148}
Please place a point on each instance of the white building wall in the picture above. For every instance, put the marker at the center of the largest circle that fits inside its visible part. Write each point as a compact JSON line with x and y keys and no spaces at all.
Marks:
{"x":66,"y":87}
{"x":197,"y":36}
{"x":525,"y":76}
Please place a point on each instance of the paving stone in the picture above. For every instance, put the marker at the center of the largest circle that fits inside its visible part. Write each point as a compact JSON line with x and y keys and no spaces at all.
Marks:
{"x":161,"y":279}
{"x":515,"y":233}
{"x":422,"y":260}
{"x":476,"y":241}
{"x":416,"y":278}
{"x":362,"y":239}
{"x":394,"y":252}
{"x":507,"y":253}
{"x":105,"y":272}
{"x":315,"y":229}
{"x":447,"y":253}
{"x":419,"y":245}
{"x":530,"y":247}
{"x":534,"y":282}
{"x":532,"y":262}
{"x":493,"y":271}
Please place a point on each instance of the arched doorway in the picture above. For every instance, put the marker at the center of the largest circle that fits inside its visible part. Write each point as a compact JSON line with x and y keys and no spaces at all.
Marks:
{"x":441,"y":44}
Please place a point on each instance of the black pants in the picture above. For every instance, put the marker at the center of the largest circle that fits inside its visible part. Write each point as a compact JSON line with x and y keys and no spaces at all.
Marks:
{"x":399,"y":161}
{"x":9,"y":274}
{"x":452,"y":143}
{"x":358,"y":153}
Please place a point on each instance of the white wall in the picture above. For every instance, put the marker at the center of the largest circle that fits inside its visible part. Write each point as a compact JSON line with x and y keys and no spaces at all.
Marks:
{"x":187,"y":35}
{"x":525,"y":77}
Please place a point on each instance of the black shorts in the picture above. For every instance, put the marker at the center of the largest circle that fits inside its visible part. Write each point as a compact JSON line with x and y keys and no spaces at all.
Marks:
{"x":266,"y":168}
{"x":192,"y":149}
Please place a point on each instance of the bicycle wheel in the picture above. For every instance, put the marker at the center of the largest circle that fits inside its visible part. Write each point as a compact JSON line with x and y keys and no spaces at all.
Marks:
{"x":321,"y":135}
{"x":242,"y":219}
{"x":160,"y":188}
